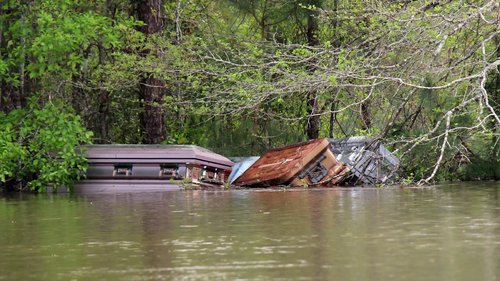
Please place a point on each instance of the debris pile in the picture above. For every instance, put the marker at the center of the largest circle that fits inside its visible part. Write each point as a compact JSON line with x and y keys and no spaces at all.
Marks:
{"x":320,"y":162}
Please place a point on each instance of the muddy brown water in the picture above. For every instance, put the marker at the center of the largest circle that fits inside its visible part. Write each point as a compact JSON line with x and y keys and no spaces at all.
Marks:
{"x":448,"y":232}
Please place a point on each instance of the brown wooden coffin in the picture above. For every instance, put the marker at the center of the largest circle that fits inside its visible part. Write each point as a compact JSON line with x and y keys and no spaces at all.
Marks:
{"x":309,"y":163}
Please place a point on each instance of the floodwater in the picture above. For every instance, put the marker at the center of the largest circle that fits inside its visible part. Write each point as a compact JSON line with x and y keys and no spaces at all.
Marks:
{"x":447,"y":232}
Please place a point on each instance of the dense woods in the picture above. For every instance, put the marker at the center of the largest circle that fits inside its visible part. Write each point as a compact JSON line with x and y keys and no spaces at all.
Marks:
{"x":240,"y":77}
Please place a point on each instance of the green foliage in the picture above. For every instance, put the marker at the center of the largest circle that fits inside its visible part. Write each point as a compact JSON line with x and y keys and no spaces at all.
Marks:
{"x":11,"y":152}
{"x":3,"y":68}
{"x":65,"y":35}
{"x":39,"y":146}
{"x":238,"y":76}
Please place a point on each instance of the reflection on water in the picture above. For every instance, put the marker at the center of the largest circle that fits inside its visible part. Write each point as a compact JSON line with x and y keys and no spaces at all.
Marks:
{"x":443,"y":233}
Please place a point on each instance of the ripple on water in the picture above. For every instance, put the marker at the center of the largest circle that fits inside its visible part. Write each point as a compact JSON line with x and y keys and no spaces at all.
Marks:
{"x":198,"y":272}
{"x":426,"y":234}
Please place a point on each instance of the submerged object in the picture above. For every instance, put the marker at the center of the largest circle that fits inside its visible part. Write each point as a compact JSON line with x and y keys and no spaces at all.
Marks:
{"x":310,"y":163}
{"x":240,"y":166}
{"x":369,"y":161}
{"x":132,"y":168}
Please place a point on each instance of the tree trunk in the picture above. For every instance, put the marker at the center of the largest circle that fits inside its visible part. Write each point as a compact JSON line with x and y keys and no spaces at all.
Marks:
{"x":336,"y":45}
{"x":333,"y":116}
{"x":152,"y":117}
{"x":20,"y":100}
{"x":313,"y":119}
{"x":255,"y":132}
{"x":312,"y":126}
{"x":104,"y":113}
{"x":151,"y":92}
{"x":366,"y":115}
{"x":104,"y":106}
{"x":312,"y":29}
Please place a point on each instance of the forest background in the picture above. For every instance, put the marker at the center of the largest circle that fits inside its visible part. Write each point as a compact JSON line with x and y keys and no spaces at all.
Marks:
{"x":240,"y":77}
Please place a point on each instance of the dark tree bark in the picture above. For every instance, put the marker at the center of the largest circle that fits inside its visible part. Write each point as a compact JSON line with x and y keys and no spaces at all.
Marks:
{"x":312,"y":125}
{"x":255,"y":132}
{"x":336,"y":45}
{"x":333,"y":117}
{"x":312,"y":29}
{"x":152,"y":117}
{"x":104,"y":110}
{"x":79,"y":99}
{"x":151,"y":92}
{"x":105,"y":114}
{"x":24,"y":83}
{"x":366,"y":115}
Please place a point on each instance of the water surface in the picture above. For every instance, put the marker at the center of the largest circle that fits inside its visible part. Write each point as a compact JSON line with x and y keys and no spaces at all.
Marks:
{"x":442,"y":233}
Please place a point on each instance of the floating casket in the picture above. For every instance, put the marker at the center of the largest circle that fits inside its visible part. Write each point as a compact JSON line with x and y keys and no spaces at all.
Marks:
{"x":152,"y":168}
{"x":310,"y":163}
{"x":370,"y":162}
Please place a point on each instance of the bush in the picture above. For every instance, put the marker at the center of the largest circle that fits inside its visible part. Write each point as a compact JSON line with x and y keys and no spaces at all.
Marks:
{"x":39,"y":147}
